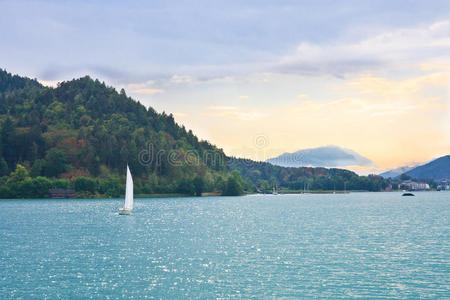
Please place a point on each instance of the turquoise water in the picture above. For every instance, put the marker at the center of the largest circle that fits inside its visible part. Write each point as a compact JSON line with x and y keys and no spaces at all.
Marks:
{"x":375,"y":245}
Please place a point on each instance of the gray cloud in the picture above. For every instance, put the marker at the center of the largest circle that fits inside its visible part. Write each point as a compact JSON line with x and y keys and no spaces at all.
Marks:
{"x":137,"y":41}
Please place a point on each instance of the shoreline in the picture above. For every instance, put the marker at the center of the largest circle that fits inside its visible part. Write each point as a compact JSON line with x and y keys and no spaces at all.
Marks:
{"x":175,"y":195}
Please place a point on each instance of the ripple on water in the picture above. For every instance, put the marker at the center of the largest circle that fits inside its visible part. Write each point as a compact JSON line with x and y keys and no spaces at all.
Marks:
{"x":372,"y":245}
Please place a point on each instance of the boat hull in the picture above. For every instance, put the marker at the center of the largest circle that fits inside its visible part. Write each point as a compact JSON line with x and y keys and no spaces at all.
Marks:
{"x":124,"y":211}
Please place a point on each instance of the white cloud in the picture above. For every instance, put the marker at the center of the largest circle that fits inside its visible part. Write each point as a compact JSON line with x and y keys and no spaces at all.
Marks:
{"x":148,"y":91}
{"x":401,"y":46}
{"x":141,"y":84}
{"x":232,"y":112}
{"x":182,"y":79}
{"x":222,"y":108}
{"x":426,"y":45}
{"x":49,"y":83}
{"x":180,"y":114}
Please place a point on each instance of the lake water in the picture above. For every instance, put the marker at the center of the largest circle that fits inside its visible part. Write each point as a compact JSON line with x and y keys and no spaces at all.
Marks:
{"x":376,"y":245}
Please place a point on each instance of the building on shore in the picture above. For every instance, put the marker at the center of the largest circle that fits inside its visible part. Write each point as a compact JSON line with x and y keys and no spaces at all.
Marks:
{"x":444,"y":185}
{"x":413,"y":186}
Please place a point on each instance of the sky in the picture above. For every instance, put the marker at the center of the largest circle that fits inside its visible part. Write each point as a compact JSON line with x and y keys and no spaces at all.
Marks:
{"x":257,"y":78}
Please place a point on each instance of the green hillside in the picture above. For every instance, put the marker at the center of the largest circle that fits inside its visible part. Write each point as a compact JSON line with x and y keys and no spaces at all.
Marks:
{"x":83,"y":128}
{"x":82,"y":134}
{"x":265,"y":175}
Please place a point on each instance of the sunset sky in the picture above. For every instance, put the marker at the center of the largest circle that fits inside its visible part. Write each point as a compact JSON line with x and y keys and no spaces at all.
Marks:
{"x":257,"y":78}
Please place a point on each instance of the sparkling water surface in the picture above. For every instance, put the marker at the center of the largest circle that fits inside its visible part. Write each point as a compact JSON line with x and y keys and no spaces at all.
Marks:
{"x":371,"y":245}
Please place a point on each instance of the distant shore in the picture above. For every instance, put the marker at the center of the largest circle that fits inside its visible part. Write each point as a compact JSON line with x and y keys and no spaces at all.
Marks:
{"x":214,"y":194}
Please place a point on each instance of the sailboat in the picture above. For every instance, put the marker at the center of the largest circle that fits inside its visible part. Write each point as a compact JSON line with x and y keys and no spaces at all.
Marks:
{"x":128,"y":206}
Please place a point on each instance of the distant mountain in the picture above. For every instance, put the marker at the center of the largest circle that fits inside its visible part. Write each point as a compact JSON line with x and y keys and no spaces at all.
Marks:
{"x":328,"y":156}
{"x":266,"y":175}
{"x":397,"y":171}
{"x":436,"y":169}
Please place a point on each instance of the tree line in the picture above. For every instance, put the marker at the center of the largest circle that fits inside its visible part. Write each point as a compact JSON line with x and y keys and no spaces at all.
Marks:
{"x":82,"y":134}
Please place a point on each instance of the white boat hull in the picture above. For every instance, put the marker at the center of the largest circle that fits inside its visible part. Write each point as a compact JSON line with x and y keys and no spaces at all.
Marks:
{"x":124,"y":211}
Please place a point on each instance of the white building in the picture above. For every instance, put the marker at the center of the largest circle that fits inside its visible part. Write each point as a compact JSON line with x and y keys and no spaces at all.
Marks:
{"x":444,"y":185}
{"x":414,"y":186}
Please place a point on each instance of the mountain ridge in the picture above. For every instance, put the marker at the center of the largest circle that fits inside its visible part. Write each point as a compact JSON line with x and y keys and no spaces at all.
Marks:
{"x":394,"y":173}
{"x":436,"y":169}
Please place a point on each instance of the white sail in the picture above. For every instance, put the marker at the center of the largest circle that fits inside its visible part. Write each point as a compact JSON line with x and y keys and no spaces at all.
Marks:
{"x":129,"y":191}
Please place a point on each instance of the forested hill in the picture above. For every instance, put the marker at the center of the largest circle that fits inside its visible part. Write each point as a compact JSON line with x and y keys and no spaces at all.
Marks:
{"x":265,"y":176}
{"x":85,"y":128}
{"x":81,"y":134}
{"x":437,"y":169}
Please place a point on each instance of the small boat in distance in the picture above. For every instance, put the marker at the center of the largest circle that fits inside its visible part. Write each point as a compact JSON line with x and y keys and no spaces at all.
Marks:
{"x":407,"y":194}
{"x":128,"y":206}
{"x":274,"y":190}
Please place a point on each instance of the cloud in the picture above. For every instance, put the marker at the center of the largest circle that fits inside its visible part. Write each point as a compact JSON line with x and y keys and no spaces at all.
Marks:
{"x":400,"y":46}
{"x":380,"y":116}
{"x":232,"y":112}
{"x":67,"y":71}
{"x":375,"y":97}
{"x":49,"y":83}
{"x":302,"y":96}
{"x":141,"y":84}
{"x":435,"y":66}
{"x":243,"y":97}
{"x":148,"y":91}
{"x":182,"y":79}
{"x":427,"y":45}
{"x":223,"y":108}
{"x":406,"y":89}
{"x":180,"y":114}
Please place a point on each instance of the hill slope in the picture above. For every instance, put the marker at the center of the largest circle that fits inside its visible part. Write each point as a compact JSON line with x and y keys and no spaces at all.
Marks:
{"x":437,"y":169}
{"x":394,"y":173}
{"x":85,"y":128}
{"x":83,"y":133}
{"x":265,"y":176}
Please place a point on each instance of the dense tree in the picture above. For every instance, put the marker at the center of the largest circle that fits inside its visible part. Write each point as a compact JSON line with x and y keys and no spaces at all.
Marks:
{"x":111,"y":187}
{"x":199,"y":184}
{"x":83,"y":128}
{"x":3,"y":167}
{"x":55,"y":162}
{"x":8,"y":142}
{"x":19,"y":175}
{"x":40,"y":186}
{"x":265,"y":176}
{"x":186,"y":186}
{"x":405,"y":177}
{"x":37,"y":168}
{"x":84,"y":184}
{"x":233,"y":185}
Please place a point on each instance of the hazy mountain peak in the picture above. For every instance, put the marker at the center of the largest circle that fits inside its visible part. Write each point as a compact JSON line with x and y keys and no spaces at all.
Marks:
{"x":399,"y":170}
{"x":326,"y":156}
